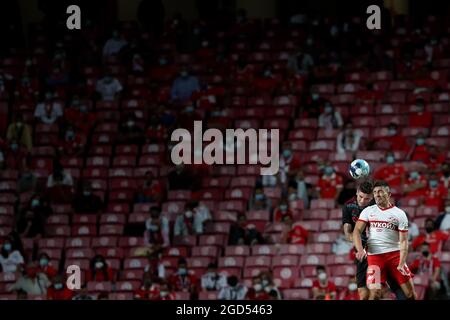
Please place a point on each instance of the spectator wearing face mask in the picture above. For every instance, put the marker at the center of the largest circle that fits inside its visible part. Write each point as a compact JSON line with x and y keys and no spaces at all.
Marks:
{"x":348,"y":139}
{"x":108,"y":87}
{"x":329,"y":118}
{"x":45,"y":266}
{"x":156,"y":131}
{"x":20,"y":132}
{"x":192,"y":221}
{"x":72,"y":144}
{"x":183,"y":280}
{"x":300,"y":62}
{"x":260,"y":201}
{"x":130,"y":131}
{"x":415,"y":185}
{"x":86,"y":201}
{"x":299,"y":189}
{"x":59,"y":178}
{"x":157,"y":229}
{"x":296,"y":234}
{"x":413,"y":229}
{"x":212,"y":280}
{"x":155,"y":268}
{"x":330,"y":184}
{"x":10,"y":257}
{"x":282,"y":211}
{"x":419,"y":152}
{"x":114,"y":45}
{"x":257,"y":292}
{"x":436,"y":157}
{"x":80,"y":116}
{"x":15,"y":156}
{"x":151,"y":190}
{"x":323,"y":288}
{"x":289,"y":162}
{"x":149,"y":290}
{"x":265,"y":81}
{"x":269,"y":286}
{"x":58,"y":290}
{"x":435,"y":193}
{"x":33,"y":282}
{"x":49,"y":111}
{"x":430,"y":265}
{"x":165,"y":292}
{"x":393,"y":141}
{"x":420,"y":118}
{"x":184,"y":86}
{"x":435,"y":238}
{"x":243,"y":72}
{"x":443,"y":220}
{"x":311,"y":105}
{"x":392,"y":172}
{"x":99,"y":270}
{"x":241,"y":233}
{"x":351,"y":292}
{"x":233,"y":291}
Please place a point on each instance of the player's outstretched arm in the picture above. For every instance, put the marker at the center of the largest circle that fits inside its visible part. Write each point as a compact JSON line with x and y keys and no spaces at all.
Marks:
{"x":360,"y":252}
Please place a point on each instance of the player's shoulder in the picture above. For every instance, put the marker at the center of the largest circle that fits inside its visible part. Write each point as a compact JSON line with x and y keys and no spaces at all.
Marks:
{"x":371,"y":208}
{"x":350,"y":202}
{"x":398,"y":210}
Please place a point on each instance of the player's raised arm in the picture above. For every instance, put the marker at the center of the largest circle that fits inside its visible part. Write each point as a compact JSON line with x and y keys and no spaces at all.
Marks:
{"x":359,"y":227}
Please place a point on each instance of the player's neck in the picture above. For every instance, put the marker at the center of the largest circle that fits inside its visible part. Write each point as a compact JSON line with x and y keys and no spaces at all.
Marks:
{"x":385,"y":206}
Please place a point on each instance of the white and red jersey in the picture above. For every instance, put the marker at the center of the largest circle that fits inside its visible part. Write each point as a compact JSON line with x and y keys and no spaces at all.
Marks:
{"x":384,"y":226}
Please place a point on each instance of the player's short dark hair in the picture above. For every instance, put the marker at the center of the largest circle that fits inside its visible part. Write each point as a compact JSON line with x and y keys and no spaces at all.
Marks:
{"x":366,"y":187}
{"x":381,"y":183}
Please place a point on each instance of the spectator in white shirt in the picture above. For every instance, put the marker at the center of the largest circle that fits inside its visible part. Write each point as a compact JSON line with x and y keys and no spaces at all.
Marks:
{"x":330,"y":119}
{"x":59,"y":178}
{"x":300,"y":62}
{"x":443,"y":221}
{"x":341,"y":245}
{"x":212,"y":280}
{"x":114,"y":45}
{"x":192,"y":220}
{"x":49,"y":110}
{"x":233,"y":291}
{"x":108,"y":87}
{"x":33,"y":283}
{"x":348,"y":139}
{"x":157,"y":229}
{"x":10,"y":257}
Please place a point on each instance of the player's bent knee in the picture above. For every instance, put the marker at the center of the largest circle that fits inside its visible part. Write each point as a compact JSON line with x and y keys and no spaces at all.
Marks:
{"x":363,"y":293}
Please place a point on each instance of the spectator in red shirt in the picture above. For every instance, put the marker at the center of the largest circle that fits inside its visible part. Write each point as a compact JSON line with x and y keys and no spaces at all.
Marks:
{"x":58,"y":290}
{"x":429,"y":265}
{"x":436,"y":157}
{"x":257,"y":292}
{"x":151,"y":190}
{"x":282,"y":211}
{"x":99,"y":270}
{"x":392,"y":172}
{"x":148,"y":290}
{"x":156,"y":132}
{"x":243,"y":73}
{"x":323,"y":288}
{"x":435,"y":193}
{"x":330,"y":184}
{"x":265,"y":81}
{"x":351,"y":292}
{"x":296,"y":234}
{"x":415,"y":185}
{"x":72,"y":144}
{"x":368,"y":95}
{"x":435,"y":238}
{"x":80,"y":115}
{"x":183,"y":280}
{"x":45,"y":266}
{"x":16,"y":156}
{"x":421,"y":118}
{"x":165,"y":292}
{"x":394,"y":140}
{"x":419,"y":152}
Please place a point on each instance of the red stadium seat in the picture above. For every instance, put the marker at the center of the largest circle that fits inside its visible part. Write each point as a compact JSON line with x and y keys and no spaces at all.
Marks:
{"x":79,"y":253}
{"x":104,"y":242}
{"x":284,"y":277}
{"x":348,"y":270}
{"x":237,"y":251}
{"x":285,"y":260}
{"x":84,"y":230}
{"x":257,"y":261}
{"x":208,"y":295}
{"x":258,"y":250}
{"x":296,"y":294}
{"x":212,"y":240}
{"x":205,"y":251}
{"x":318,"y":248}
{"x":127,"y":285}
{"x":226,"y":262}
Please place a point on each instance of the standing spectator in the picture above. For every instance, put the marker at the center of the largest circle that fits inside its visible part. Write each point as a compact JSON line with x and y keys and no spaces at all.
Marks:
{"x":212,"y":280}
{"x":323,"y":288}
{"x":33,"y":283}
{"x":157,"y":229}
{"x":392,"y":172}
{"x":10,"y":257}
{"x":303,"y":190}
{"x":180,"y":178}
{"x":183,"y":280}
{"x":45,"y":266}
{"x":421,"y":118}
{"x":443,"y":220}
{"x":58,"y":290}
{"x":330,"y":184}
{"x":99,"y":270}
{"x":184,"y":86}
{"x":435,"y":238}
{"x":330,"y":119}
{"x":114,"y":45}
{"x":20,"y":132}
{"x":108,"y":87}
{"x":86,"y":201}
{"x":282,"y":211}
{"x":348,"y":139}
{"x":48,"y":111}
{"x":233,"y":291}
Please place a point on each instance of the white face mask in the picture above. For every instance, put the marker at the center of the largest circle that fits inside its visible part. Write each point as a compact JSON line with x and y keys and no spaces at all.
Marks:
{"x":352,"y":287}
{"x":322,"y":276}
{"x":257,"y":287}
{"x":188,"y":214}
{"x":447,"y":209}
{"x":99,"y":265}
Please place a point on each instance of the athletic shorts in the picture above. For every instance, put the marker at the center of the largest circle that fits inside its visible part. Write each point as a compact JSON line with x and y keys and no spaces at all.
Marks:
{"x":361,"y":276}
{"x":384,"y":265}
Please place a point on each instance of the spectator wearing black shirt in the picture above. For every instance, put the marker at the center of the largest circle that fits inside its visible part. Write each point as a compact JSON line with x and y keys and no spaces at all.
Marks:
{"x":31,"y":224}
{"x":87,"y":202}
{"x":180,"y":178}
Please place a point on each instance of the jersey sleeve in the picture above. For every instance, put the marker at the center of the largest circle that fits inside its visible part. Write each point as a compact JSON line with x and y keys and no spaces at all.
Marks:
{"x":402,"y":222}
{"x":364,"y":216}
{"x":346,"y":216}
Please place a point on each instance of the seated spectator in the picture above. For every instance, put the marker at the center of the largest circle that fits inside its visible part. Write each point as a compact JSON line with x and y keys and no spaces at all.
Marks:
{"x":149,"y":290}
{"x":435,"y":193}
{"x":257,"y":292}
{"x":157,"y":229}
{"x":243,"y":72}
{"x":265,"y":80}
{"x":165,"y":292}
{"x":421,"y":118}
{"x":130,"y":132}
{"x":57,"y":77}
{"x":323,"y":288}
{"x":99,"y":270}
{"x":419,"y":152}
{"x":188,"y":115}
{"x":330,"y":184}
{"x":330,"y":119}
{"x":341,"y":246}
{"x":443,"y":220}
{"x":413,"y":229}
{"x":191,"y":221}
{"x":429,"y":265}
{"x":348,"y":139}
{"x":11,"y":259}
{"x":415,"y":185}
{"x":48,"y":111}
{"x":72,"y":144}
{"x":15,"y":156}
{"x":282,"y":211}
{"x":435,"y":238}
{"x":212,"y":280}
{"x":299,"y":189}
{"x":312,"y":105}
{"x":108,"y":87}
{"x":80,"y":116}
{"x":27,"y":180}
{"x":351,"y":292}
{"x":33,"y":282}
{"x":31,"y":224}
{"x":59,"y":178}
{"x":114,"y":45}
{"x":392,"y":172}
{"x":184,"y":280}
{"x":82,"y":294}
{"x":436,"y":157}
{"x":20,"y":132}
{"x":184,"y":86}
{"x":289,"y":162}
{"x":296,"y":234}
{"x":87,"y":202}
{"x":233,"y":290}
{"x":300,"y":62}
{"x":40,"y":206}
{"x":394,"y":140}
{"x":241,"y":234}
{"x":45,"y":266}
{"x":369,"y":95}
{"x":269,"y":286}
{"x":259,"y":201}
{"x":58,"y":290}
{"x":156,"y":131}
{"x":180,"y":178}
{"x":444,"y":175}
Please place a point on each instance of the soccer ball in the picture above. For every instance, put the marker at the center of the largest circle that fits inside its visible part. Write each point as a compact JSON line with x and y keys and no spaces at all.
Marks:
{"x":359,"y":168}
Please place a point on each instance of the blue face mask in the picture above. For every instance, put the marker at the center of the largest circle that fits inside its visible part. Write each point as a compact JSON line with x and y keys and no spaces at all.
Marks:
{"x":7,"y":246}
{"x":58,"y":286}
{"x":420,"y":141}
{"x":287,"y":153}
{"x":283,"y":207}
{"x":329,"y":171}
{"x":433,"y":183}
{"x":43,"y":262}
{"x":390,"y":159}
{"x":414,"y":175}
{"x":14,"y":146}
{"x":259,"y":197}
{"x":162,"y":62}
{"x":35,"y":203}
{"x":182,"y":271}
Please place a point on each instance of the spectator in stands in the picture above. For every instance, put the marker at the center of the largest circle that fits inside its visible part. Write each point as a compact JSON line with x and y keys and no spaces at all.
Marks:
{"x":312,"y":104}
{"x":184,"y":86}
{"x":420,"y":118}
{"x":80,"y":115}
{"x":233,"y":291}
{"x":33,"y":282}
{"x":130,"y":132}
{"x":268,"y":285}
{"x":212,"y":280}
{"x":180,"y":178}
{"x":82,"y":294}
{"x":27,"y":180}
{"x":156,"y":131}
{"x":11,"y":259}
{"x":392,"y":172}
{"x":58,"y":290}
{"x":114,"y":45}
{"x":351,"y":292}
{"x":241,"y":234}
{"x":348,"y":139}
{"x":369,"y":95}
{"x":393,"y":141}
{"x":289,"y":163}
{"x":57,"y":77}
{"x":108,"y":87}
{"x":40,"y":206}
{"x":148,"y":290}
{"x":48,"y":111}
{"x":330,"y":183}
{"x":303,"y":191}
{"x":413,"y":229}
{"x":415,"y":185}
{"x":31,"y":224}
{"x":15,"y":156}
{"x":419,"y":152}
{"x":259,"y":201}
{"x":72,"y":144}
{"x":341,"y":245}
{"x":99,"y":270}
{"x":165,"y":292}
{"x":443,"y":221}
{"x":191,"y":221}
{"x":282,"y":211}
{"x":257,"y":292}
{"x":184,"y":280}
{"x":445,"y":175}
{"x":45,"y":266}
{"x":155,"y":267}
{"x":296,"y":234}
{"x":265,"y":80}
{"x":157,"y":229}
{"x":329,"y":118}
{"x":435,"y":238}
{"x":436,"y":157}
{"x":429,"y":265}
{"x":86,"y":201}
{"x":243,"y":72}
{"x":300,"y":62}
{"x":435,"y":193}
{"x":20,"y":132}
{"x":323,"y":288}
{"x":60,"y":185}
